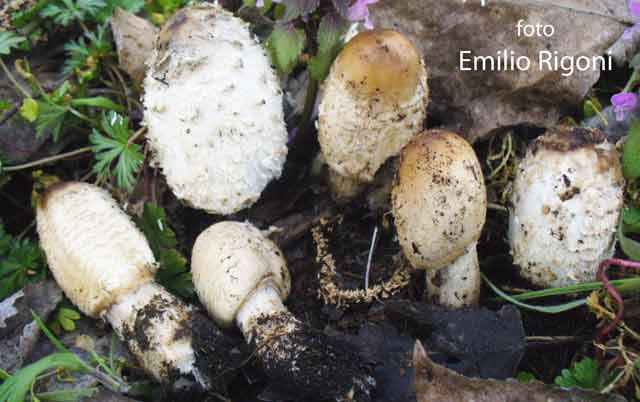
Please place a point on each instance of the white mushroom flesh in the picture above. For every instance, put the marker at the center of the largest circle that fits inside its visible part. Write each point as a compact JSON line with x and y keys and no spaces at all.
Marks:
{"x":214,"y":110}
{"x":566,"y":203}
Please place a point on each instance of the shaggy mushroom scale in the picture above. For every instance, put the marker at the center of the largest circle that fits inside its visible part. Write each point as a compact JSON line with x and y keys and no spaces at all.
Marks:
{"x":105,"y":266}
{"x":213,"y":105}
{"x":566,"y":203}
{"x":373,"y":103}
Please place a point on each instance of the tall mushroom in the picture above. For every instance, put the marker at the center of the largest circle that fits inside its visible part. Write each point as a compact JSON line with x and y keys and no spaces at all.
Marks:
{"x":241,"y":276}
{"x":566,"y":202}
{"x":213,"y":105}
{"x":374,"y":102}
{"x":439,"y":204}
{"x":104,"y":265}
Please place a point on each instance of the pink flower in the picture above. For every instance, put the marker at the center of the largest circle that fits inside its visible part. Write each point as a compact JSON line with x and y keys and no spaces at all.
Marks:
{"x":624,"y":102}
{"x":634,"y":7}
{"x":359,"y":11}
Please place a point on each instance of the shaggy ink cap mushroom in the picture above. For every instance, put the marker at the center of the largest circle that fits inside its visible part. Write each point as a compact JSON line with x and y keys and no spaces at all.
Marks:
{"x":213,"y":106}
{"x":241,"y":276}
{"x":439,"y":204}
{"x":105,"y":266}
{"x":374,"y":101}
{"x":565,"y":206}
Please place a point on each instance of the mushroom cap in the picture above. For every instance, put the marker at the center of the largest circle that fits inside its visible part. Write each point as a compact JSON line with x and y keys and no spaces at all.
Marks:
{"x":374,"y":101}
{"x":439,"y":200}
{"x":95,"y":252}
{"x":213,"y":105}
{"x":566,"y":202}
{"x":230,"y":261}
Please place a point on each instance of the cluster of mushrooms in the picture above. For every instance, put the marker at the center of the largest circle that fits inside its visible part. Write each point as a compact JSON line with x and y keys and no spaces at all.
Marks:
{"x":217,"y":130}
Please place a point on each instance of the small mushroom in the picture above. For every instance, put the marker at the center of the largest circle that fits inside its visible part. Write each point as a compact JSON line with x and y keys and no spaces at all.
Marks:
{"x":439,"y":204}
{"x":566,"y":203}
{"x":241,"y":276}
{"x":213,"y":105}
{"x":104,"y":265}
{"x":374,"y":102}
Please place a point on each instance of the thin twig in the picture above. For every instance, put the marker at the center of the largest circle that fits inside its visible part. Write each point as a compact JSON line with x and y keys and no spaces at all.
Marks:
{"x":602,"y":274}
{"x":50,"y":159}
{"x":15,"y":83}
{"x":137,"y":135}
{"x":497,"y":207}
{"x":370,"y":257}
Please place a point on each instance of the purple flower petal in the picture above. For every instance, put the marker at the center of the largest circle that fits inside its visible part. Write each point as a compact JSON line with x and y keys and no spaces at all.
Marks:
{"x":634,"y":7}
{"x":359,"y":11}
{"x":624,"y":102}
{"x":259,"y":3}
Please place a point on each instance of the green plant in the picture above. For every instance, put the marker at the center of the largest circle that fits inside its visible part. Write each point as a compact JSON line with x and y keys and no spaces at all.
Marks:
{"x":10,"y":41}
{"x":173,"y":272}
{"x":585,"y":374}
{"x":85,"y":56}
{"x":116,"y":147}
{"x":64,"y":12}
{"x":21,"y":261}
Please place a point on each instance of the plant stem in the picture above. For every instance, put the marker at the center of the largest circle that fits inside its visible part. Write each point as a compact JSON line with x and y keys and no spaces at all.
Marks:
{"x":15,"y":83}
{"x":47,"y":160}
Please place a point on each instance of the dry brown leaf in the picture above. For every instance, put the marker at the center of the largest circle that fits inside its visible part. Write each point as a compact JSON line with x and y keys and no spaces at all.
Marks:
{"x":435,"y":383}
{"x":134,"y":37}
{"x":477,"y":103}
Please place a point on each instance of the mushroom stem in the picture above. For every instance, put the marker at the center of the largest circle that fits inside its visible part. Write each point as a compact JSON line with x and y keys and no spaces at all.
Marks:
{"x":344,"y":188}
{"x":458,"y":284}
{"x":149,"y":321}
{"x":265,"y":301}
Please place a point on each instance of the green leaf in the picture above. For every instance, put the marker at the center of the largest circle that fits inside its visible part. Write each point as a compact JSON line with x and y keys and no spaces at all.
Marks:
{"x":29,"y":109}
{"x":9,"y":41}
{"x":51,"y":117}
{"x":100,"y":102}
{"x":330,"y":32}
{"x":154,"y":226}
{"x":585,"y":374}
{"x":631,"y":152}
{"x":21,"y":261}
{"x":525,"y":377}
{"x":115,"y":148}
{"x":173,"y":273}
{"x":66,"y":317}
{"x":298,"y":8}
{"x":560,"y":308}
{"x":64,"y":12}
{"x":629,"y":246}
{"x":635,"y":61}
{"x":4,"y":105}
{"x":16,"y":388}
{"x":631,"y":220}
{"x":285,"y":46}
{"x":132,"y":6}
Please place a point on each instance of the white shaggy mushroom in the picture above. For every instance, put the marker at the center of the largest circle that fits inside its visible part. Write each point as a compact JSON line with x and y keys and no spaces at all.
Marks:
{"x":566,"y":203}
{"x":104,"y":265}
{"x":214,"y":110}
{"x":439,"y":204}
{"x":241,"y":276}
{"x":373,"y":103}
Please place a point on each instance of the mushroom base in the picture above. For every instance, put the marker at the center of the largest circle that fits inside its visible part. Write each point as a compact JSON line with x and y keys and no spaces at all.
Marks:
{"x":166,"y":337}
{"x":458,"y":284}
{"x":307,"y":363}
